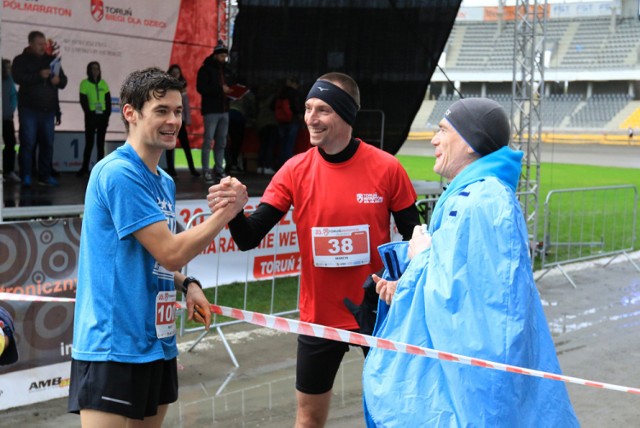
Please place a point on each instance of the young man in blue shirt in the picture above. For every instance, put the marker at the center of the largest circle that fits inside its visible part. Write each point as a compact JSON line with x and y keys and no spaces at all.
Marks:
{"x":124,"y":346}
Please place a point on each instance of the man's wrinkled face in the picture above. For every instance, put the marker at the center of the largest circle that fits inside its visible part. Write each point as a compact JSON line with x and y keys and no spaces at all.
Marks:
{"x":452,"y":152}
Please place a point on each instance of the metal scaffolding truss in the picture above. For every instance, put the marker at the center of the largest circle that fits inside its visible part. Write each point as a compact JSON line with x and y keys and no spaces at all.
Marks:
{"x":527,"y":90}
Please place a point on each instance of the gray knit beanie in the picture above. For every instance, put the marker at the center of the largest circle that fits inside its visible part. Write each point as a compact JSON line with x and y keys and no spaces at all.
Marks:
{"x":481,"y":122}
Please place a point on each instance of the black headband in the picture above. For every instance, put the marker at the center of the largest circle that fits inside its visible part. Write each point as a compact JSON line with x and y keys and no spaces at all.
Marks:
{"x":341,"y":102}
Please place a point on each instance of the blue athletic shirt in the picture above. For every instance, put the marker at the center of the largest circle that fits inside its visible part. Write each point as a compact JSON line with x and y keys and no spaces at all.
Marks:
{"x":118,"y":279}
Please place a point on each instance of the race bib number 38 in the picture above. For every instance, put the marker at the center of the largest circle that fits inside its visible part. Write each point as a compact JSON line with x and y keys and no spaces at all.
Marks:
{"x":341,"y":246}
{"x":166,"y":314}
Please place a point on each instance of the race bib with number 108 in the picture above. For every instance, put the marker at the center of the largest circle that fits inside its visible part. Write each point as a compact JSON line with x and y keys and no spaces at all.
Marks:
{"x":166,"y":314}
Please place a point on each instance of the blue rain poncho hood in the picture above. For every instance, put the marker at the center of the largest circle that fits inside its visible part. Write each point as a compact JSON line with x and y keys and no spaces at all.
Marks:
{"x":472,"y":293}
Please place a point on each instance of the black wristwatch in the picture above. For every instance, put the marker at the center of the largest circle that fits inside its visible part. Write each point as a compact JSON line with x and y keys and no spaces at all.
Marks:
{"x":188,"y":280}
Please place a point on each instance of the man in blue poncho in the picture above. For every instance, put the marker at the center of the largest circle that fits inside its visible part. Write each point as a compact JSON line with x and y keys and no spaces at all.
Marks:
{"x":467,"y":288}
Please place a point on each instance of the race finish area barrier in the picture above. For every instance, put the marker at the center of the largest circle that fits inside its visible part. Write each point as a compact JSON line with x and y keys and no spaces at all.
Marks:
{"x":42,"y":212}
{"x":276,"y":257}
{"x":425,"y":208}
{"x":588,"y":223}
{"x":272,"y":270}
{"x":38,"y":258}
{"x":316,"y":330}
{"x":41,"y":260}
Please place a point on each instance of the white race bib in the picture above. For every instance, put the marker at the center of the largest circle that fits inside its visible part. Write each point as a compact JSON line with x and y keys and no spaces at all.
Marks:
{"x":340,"y":246}
{"x":166,"y":314}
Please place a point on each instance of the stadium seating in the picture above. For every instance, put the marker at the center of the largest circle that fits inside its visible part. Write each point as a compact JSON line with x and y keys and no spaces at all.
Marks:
{"x":441,"y":106}
{"x":574,"y":43}
{"x":557,"y":108}
{"x":577,"y":44}
{"x":598,"y":110}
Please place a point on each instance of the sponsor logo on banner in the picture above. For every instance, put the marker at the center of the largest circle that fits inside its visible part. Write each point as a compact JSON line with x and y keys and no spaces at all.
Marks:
{"x":124,"y":15}
{"x":35,"y":384}
{"x":56,"y":382}
{"x":97,"y":10}
{"x":280,"y":265}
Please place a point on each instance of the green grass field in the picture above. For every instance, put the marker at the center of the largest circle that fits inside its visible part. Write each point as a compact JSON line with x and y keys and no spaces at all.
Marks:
{"x":552,"y":176}
{"x":555,"y":176}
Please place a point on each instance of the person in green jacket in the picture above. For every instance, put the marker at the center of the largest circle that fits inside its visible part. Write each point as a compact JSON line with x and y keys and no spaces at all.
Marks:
{"x":95,"y":100}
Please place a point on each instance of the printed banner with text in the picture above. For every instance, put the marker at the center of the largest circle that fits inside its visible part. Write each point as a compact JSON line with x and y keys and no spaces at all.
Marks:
{"x":40,"y":258}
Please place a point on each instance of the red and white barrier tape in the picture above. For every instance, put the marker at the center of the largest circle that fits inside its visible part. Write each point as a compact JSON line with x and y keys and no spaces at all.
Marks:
{"x":316,"y":330}
{"x":15,"y":297}
{"x":309,"y":329}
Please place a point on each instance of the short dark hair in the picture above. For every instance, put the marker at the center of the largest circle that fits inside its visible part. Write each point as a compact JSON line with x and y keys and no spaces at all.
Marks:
{"x":89,"y":75}
{"x":141,"y":85}
{"x":345,"y":82}
{"x":34,"y":35}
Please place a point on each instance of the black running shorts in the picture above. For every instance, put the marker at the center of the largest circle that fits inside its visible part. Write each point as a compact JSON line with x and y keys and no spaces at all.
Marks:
{"x":131,"y":390}
{"x":318,"y":362}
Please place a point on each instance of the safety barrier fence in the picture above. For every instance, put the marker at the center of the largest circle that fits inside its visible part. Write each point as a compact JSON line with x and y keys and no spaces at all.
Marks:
{"x":425,"y":207}
{"x":346,"y":336}
{"x":253,"y":292}
{"x":579,"y":224}
{"x":30,"y":213}
{"x":587,"y":223}
{"x":316,"y":330}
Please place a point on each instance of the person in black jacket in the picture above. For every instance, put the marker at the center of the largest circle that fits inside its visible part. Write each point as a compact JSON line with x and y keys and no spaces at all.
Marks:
{"x":39,"y":78}
{"x":183,"y":136}
{"x":9,"y":105}
{"x":289,"y":125}
{"x":213,"y":84}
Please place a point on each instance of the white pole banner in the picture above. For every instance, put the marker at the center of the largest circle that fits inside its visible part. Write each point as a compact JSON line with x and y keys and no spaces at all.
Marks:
{"x":122,"y":36}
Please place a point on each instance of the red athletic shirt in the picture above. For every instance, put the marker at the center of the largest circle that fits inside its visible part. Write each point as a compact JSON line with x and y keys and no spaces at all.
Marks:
{"x":362,"y":190}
